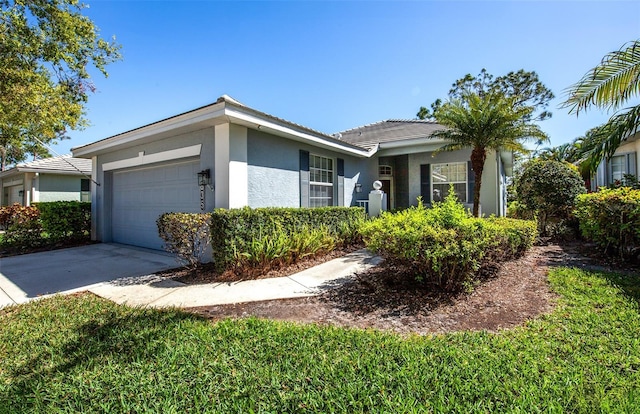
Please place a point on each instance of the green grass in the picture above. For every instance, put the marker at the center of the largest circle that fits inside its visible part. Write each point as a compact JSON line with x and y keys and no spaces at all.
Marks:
{"x":84,"y":354}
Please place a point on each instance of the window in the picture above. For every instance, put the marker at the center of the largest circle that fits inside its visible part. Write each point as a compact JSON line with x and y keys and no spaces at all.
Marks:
{"x":443,"y":175}
{"x":385,"y":171}
{"x":85,"y":190}
{"x":618,"y":168}
{"x":320,"y":181}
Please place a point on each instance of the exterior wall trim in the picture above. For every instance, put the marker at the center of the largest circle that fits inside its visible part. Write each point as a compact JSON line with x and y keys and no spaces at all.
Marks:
{"x":143,"y":159}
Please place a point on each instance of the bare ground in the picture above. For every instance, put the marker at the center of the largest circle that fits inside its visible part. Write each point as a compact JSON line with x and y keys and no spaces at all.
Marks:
{"x":385,"y":299}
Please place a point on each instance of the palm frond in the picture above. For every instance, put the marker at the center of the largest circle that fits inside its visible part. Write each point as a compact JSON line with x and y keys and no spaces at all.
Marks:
{"x":610,"y":84}
{"x":609,"y":136}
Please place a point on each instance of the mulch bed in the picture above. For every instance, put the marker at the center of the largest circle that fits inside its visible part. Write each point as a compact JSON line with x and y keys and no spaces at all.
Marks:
{"x":384,"y":298}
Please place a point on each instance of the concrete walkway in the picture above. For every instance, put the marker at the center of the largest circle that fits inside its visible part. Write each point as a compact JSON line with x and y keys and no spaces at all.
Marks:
{"x":155,"y":291}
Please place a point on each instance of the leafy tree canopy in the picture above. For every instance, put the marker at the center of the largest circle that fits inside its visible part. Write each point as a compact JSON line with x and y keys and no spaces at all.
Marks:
{"x":523,"y":87}
{"x":47,"y":48}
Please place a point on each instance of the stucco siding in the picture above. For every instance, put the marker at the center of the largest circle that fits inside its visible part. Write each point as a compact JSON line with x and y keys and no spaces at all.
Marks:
{"x":489,"y":192}
{"x":274,"y":171}
{"x":59,"y":188}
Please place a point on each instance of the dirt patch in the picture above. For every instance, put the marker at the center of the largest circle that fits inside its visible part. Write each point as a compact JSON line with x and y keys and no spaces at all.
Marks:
{"x":383,"y":298}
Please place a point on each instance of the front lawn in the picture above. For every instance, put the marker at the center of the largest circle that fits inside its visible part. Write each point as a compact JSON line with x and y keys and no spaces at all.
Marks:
{"x":84,"y":354}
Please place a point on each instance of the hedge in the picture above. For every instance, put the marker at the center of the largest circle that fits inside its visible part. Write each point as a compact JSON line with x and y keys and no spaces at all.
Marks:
{"x":248,"y":238}
{"x":45,"y":224}
{"x":65,"y":220}
{"x":611,"y":218}
{"x":23,"y":227}
{"x":444,"y":245}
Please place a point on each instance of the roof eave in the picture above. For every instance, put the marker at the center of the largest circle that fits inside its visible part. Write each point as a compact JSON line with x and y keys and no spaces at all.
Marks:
{"x":52,"y":171}
{"x":221,"y":112}
{"x":256,"y":120}
{"x":203,"y":114}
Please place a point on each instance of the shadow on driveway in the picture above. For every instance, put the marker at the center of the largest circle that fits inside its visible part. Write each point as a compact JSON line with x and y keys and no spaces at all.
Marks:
{"x":31,"y":275}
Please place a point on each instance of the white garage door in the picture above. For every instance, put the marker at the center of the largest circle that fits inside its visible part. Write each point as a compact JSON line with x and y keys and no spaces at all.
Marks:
{"x":140,"y":196}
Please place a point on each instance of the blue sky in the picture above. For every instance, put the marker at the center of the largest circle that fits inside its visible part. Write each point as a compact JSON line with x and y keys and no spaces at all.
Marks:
{"x":335,"y":65}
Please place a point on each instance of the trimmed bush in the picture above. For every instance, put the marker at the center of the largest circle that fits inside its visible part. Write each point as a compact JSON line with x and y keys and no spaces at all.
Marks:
{"x":22,"y":224}
{"x":264,"y":238}
{"x":548,"y":189}
{"x":45,"y":224}
{"x":611,"y":218}
{"x":65,"y":220}
{"x":445,"y":245}
{"x":512,"y":238}
{"x":186,"y":235}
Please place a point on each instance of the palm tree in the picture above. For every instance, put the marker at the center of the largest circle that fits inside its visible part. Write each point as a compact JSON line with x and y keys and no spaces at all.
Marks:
{"x":609,"y":86}
{"x":489,"y":122}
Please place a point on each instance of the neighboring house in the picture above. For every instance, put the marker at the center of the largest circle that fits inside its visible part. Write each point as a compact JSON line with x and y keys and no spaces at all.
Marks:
{"x":258,"y":160}
{"x":624,"y":161}
{"x":50,"y":179}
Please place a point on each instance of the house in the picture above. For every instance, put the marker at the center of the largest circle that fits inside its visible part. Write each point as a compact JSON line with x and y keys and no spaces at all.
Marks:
{"x":624,"y":161}
{"x":60,"y":178}
{"x":228,"y":155}
{"x":408,"y":167}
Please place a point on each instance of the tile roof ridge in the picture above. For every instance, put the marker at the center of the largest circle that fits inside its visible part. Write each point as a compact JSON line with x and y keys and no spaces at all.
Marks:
{"x":363,"y":126}
{"x":392,"y":120}
{"x":416,"y":121}
{"x":40,"y":161}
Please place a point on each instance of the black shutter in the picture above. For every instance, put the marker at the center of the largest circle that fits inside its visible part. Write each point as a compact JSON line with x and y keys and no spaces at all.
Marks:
{"x":425,"y":183}
{"x":304,"y":178}
{"x":471,"y":182}
{"x":631,"y":164}
{"x":340,"y":182}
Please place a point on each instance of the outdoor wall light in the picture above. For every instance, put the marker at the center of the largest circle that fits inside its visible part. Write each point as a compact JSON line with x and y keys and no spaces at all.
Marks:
{"x":358,"y":188}
{"x":21,"y":193}
{"x":204,"y":177}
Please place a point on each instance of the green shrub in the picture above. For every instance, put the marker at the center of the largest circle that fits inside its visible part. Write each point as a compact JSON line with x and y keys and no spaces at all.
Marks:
{"x":611,"y":218}
{"x":548,"y":189}
{"x":444,"y":245}
{"x":269,"y":237}
{"x":186,"y":235}
{"x":517,"y":210}
{"x":23,"y":228}
{"x":512,"y":237}
{"x":65,"y":220}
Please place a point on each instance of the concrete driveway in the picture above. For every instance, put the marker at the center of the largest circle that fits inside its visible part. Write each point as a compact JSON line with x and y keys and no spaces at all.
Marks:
{"x":31,"y":275}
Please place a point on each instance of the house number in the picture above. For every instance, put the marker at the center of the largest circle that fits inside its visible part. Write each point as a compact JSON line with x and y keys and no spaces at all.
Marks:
{"x":202,"y":198}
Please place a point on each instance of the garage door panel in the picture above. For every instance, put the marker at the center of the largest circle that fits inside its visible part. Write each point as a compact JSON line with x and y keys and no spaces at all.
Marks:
{"x":141,"y":196}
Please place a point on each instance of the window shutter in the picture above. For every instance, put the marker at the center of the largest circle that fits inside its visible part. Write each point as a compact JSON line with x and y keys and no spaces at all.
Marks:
{"x":304,"y":178}
{"x":425,"y":183}
{"x":340,"y":182}
{"x":471,"y":182}
{"x":631,"y":163}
